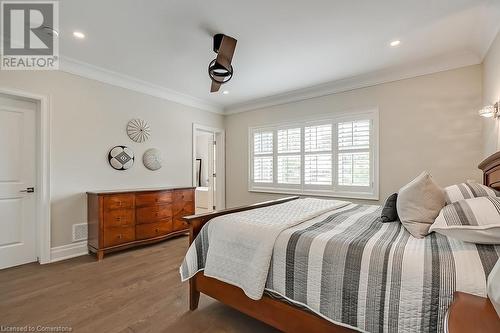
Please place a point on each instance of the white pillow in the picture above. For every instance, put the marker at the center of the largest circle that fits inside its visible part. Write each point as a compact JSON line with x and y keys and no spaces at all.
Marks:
{"x":494,"y":287}
{"x":475,"y":220}
{"x":419,"y":203}
{"x":467,"y":190}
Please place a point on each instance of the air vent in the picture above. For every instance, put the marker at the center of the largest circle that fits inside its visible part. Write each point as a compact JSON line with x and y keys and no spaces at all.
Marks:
{"x":80,"y":232}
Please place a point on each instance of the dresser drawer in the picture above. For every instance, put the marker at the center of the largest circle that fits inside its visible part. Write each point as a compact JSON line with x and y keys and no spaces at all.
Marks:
{"x":153,"y":213}
{"x":119,"y":201}
{"x":183,"y":203}
{"x":183,"y":209}
{"x":180,"y":224}
{"x":153,"y":198}
{"x":151,"y":230}
{"x":184,"y":195}
{"x":119,"y":217}
{"x":118,"y":235}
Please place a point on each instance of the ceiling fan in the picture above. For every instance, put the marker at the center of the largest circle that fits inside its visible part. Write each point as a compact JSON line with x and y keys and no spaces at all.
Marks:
{"x":220,"y":69}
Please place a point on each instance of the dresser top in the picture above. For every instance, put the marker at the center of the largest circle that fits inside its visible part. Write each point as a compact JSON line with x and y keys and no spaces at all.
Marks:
{"x":133,"y":190}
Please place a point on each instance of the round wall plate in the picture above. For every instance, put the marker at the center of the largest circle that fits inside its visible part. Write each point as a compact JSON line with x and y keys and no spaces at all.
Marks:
{"x":138,"y":130}
{"x":121,"y":158}
{"x":152,"y":159}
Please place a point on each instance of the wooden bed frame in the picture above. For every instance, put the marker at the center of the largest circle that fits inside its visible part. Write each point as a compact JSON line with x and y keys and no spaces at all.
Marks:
{"x":491,"y":171}
{"x":281,"y":315}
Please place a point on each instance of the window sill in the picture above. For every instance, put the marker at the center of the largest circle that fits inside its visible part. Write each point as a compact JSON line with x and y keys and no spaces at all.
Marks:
{"x":343,"y":195}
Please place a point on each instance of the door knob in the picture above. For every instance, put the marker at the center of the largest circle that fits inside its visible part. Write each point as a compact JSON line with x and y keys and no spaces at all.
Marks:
{"x":28,"y":190}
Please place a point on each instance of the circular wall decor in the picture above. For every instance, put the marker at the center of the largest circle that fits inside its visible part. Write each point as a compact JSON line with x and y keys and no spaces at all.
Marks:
{"x":121,"y":158}
{"x":152,"y":159}
{"x":138,"y":130}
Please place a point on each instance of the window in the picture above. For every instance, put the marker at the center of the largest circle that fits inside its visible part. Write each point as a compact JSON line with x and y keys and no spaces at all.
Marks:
{"x":335,"y":156}
{"x":263,"y":157}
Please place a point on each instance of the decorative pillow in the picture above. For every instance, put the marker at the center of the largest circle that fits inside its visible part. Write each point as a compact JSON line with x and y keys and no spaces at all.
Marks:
{"x":390,"y":212}
{"x":419,"y":203}
{"x":494,"y":287}
{"x":463,"y":191}
{"x":475,"y":220}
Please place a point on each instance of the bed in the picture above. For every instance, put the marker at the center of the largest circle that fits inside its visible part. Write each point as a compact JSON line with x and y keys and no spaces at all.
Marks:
{"x":333,"y":267}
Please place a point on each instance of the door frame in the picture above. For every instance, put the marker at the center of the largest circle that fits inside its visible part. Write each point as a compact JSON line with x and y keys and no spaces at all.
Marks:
{"x":221,"y":160}
{"x":42,"y":147}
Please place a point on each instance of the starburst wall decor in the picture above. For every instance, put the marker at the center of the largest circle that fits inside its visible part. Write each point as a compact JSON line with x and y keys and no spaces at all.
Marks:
{"x":138,"y":130}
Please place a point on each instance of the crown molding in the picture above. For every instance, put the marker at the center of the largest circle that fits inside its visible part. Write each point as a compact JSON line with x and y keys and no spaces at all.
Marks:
{"x":429,"y":66}
{"x":76,"y":67}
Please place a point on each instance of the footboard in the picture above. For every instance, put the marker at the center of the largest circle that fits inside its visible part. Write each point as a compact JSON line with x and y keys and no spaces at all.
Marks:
{"x":196,"y":222}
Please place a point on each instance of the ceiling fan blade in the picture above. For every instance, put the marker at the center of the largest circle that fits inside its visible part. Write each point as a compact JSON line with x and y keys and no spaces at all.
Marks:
{"x":226,"y":51}
{"x":215,"y":86}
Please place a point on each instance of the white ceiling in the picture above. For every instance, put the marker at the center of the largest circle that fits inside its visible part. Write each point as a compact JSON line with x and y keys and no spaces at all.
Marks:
{"x":283,"y":45}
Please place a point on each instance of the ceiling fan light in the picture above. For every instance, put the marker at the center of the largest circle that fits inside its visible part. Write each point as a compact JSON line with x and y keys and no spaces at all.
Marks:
{"x":219,"y":73}
{"x":220,"y":69}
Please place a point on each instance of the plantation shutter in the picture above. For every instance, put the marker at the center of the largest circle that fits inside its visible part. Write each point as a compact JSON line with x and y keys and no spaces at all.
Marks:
{"x":263,"y":157}
{"x":318,"y":155}
{"x":289,"y":159}
{"x":353,"y":144}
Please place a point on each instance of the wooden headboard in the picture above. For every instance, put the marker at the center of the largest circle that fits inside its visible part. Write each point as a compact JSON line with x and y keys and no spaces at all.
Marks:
{"x":491,"y":171}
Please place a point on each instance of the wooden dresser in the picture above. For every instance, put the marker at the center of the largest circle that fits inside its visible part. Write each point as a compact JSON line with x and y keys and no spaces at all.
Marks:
{"x":122,"y":219}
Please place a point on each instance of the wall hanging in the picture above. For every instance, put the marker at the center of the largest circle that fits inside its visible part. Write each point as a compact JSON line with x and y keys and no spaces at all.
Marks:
{"x":121,"y":158}
{"x":138,"y":130}
{"x":152,"y":159}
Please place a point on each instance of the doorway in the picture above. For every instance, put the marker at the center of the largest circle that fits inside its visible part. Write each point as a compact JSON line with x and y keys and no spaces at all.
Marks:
{"x":24,"y":179}
{"x":208,"y":168}
{"x":17,"y":181}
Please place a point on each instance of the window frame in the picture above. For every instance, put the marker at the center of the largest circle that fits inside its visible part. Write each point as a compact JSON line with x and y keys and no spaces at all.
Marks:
{"x":370,"y":192}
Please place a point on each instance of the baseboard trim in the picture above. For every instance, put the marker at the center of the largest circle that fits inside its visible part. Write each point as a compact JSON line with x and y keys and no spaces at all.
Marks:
{"x":72,"y":250}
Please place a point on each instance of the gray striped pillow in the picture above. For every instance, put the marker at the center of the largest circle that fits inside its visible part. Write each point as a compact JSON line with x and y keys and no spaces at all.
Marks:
{"x":475,"y":220}
{"x":463,"y":191}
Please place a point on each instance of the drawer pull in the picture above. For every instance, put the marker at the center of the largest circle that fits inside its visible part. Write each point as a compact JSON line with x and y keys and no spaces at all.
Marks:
{"x":119,"y":236}
{"x":157,"y":230}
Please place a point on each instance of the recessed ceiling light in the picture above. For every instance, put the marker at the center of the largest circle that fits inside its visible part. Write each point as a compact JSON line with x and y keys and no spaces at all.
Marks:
{"x":51,"y":31}
{"x":395,"y":43}
{"x":225,"y":92}
{"x":78,"y":34}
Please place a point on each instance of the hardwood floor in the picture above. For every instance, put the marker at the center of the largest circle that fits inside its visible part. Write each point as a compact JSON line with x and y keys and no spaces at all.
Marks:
{"x":132,"y":291}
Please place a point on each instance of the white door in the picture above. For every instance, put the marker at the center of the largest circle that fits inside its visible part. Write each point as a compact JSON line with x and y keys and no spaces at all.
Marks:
{"x":17,"y":176}
{"x":212,"y":180}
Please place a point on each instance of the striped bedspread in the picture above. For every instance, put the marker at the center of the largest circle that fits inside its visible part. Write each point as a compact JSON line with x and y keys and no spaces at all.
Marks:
{"x":353,"y":270}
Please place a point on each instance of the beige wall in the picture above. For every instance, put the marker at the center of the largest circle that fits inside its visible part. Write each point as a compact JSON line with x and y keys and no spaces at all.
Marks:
{"x":491,"y":95}
{"x":87,"y":119}
{"x":426,"y":123}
